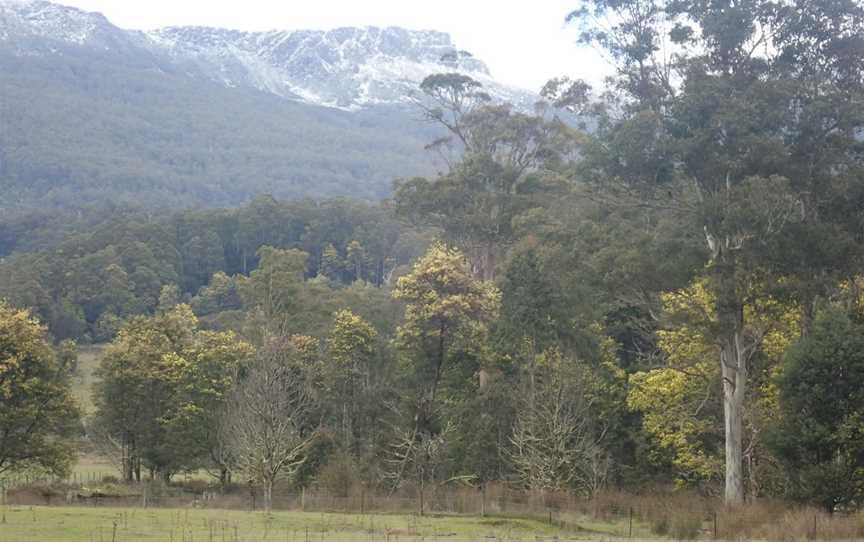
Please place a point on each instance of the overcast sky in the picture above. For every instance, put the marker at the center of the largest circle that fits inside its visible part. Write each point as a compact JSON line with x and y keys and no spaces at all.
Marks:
{"x":524,"y":42}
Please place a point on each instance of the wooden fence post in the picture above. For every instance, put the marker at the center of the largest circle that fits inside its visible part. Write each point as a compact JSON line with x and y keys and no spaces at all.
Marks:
{"x":630,"y":523}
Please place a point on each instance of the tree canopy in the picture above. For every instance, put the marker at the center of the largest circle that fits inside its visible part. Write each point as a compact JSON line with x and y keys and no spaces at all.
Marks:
{"x":38,"y":414}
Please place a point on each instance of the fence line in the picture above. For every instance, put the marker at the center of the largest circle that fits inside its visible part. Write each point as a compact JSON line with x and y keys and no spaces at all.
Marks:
{"x":362,"y":504}
{"x":610,"y":514}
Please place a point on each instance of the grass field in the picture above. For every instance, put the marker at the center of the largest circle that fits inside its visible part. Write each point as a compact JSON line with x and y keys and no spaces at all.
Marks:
{"x":67,"y":524}
{"x":89,"y":466}
{"x":83,"y":379}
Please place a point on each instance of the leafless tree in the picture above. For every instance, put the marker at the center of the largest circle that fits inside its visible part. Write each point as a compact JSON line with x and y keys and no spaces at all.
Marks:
{"x":268,"y":426}
{"x":222,"y":458}
{"x":556,"y":444}
{"x":419,"y":457}
{"x":119,"y":451}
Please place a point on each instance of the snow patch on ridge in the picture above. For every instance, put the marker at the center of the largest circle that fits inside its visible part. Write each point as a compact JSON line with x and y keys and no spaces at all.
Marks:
{"x":345,"y":68}
{"x":36,"y":18}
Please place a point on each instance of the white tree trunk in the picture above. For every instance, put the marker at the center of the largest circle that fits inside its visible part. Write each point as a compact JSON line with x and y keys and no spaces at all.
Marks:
{"x":733,"y":362}
{"x":733,"y":365}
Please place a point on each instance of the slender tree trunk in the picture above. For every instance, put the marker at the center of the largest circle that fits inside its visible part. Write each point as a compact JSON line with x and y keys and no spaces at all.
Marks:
{"x":346,"y":426}
{"x":268,"y":494}
{"x":734,"y":370}
{"x":422,"y":493}
{"x":752,"y":480}
{"x":127,"y":458}
{"x":808,"y":315}
{"x":490,"y":261}
{"x":439,"y":363}
{"x":484,"y":257}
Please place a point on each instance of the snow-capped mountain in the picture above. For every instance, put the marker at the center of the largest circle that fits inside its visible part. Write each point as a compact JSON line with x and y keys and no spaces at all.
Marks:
{"x":346,"y":68}
{"x":93,"y":113}
{"x":27,"y":24}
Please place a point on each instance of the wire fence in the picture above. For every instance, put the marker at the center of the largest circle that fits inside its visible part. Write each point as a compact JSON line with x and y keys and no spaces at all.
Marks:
{"x":619,"y":515}
{"x":558,"y":510}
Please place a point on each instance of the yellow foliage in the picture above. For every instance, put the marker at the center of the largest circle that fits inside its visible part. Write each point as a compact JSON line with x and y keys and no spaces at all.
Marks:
{"x":306,"y":346}
{"x":443,"y":297}
{"x":680,"y":401}
{"x":668,"y":400}
{"x":352,"y":339}
{"x":447,"y":309}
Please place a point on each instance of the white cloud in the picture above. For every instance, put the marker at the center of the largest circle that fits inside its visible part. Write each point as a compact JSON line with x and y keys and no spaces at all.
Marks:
{"x":524,"y":43}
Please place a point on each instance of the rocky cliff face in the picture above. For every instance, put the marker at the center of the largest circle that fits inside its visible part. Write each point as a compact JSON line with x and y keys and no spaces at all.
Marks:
{"x":36,"y":26}
{"x":346,"y":68}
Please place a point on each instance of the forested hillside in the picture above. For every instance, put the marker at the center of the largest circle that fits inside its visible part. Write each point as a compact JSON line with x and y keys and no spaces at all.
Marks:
{"x":88,"y":284}
{"x":669,"y":301}
{"x":83,"y":126}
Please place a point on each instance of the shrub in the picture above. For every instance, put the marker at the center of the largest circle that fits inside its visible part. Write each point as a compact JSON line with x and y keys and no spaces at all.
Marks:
{"x":340,"y":476}
{"x":660,"y":526}
{"x":685,"y":526}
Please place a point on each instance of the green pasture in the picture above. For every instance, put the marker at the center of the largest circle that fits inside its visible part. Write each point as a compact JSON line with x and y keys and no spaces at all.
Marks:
{"x":97,"y":524}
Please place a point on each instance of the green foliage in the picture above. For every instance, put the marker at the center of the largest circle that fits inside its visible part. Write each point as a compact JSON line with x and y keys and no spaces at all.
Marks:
{"x":161,"y":385}
{"x":37,"y":411}
{"x":447,"y":313}
{"x":485,"y":410}
{"x":332,"y":264}
{"x":351,"y":375}
{"x":679,"y":401}
{"x":86,"y":285}
{"x":509,"y":165}
{"x":530,"y":309}
{"x":727,"y":138}
{"x":274,"y":287}
{"x":352,"y":342}
{"x":219,"y":295}
{"x":650,"y":273}
{"x":819,"y":435}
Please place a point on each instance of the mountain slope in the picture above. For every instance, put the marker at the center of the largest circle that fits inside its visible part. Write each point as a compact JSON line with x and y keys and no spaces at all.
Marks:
{"x":197,"y":116}
{"x":348,"y":67}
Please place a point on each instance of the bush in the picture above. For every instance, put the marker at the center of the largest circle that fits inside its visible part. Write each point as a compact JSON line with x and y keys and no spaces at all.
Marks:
{"x":822,"y":452}
{"x":660,"y":526}
{"x":685,"y":526}
{"x":340,"y":476}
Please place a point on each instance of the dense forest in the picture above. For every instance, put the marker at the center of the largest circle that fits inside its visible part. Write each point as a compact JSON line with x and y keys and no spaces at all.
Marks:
{"x":89,"y":126}
{"x":667,"y":295}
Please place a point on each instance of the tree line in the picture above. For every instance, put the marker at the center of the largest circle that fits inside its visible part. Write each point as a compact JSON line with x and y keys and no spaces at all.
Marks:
{"x":667,"y":291}
{"x":114,"y":265}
